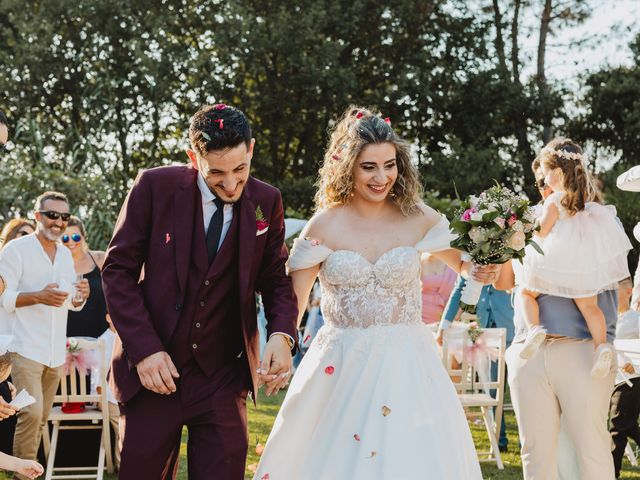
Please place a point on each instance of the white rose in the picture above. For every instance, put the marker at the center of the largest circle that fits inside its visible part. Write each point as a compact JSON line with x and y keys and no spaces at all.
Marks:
{"x":516,"y":242}
{"x":517,"y":226}
{"x":476,"y":235}
{"x":477,"y":216}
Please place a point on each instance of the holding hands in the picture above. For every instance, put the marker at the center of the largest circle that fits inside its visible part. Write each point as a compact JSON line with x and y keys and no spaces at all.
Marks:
{"x":275,"y":368}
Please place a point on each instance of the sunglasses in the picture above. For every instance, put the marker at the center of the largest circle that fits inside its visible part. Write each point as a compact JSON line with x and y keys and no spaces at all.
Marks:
{"x":76,"y":237}
{"x":53,"y":215}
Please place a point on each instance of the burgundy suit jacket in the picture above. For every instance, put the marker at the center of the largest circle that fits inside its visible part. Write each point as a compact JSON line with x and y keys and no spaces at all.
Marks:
{"x":154,"y":230}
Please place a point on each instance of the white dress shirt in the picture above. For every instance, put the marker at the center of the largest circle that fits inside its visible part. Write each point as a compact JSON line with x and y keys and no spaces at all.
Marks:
{"x":209,"y":208}
{"x":40,"y":331}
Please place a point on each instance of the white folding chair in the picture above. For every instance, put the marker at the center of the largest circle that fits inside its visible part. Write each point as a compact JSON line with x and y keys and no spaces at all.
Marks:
{"x":473,"y":386}
{"x":75,"y":388}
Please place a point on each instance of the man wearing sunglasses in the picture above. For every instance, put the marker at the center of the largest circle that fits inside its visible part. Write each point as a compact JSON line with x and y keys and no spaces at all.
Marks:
{"x":40,"y":277}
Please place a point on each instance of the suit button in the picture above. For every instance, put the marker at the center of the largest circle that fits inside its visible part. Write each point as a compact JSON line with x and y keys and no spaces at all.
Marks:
{"x":203,"y":303}
{"x":178,"y":306}
{"x":207,"y":282}
{"x":195,"y":346}
{"x":197,"y":325}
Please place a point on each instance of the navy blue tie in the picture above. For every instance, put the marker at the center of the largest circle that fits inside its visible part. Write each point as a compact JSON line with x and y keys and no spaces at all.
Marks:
{"x":214,"y":230}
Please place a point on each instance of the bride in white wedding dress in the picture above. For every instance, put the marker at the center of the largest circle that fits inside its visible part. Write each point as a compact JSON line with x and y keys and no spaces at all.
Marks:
{"x":371,"y":399}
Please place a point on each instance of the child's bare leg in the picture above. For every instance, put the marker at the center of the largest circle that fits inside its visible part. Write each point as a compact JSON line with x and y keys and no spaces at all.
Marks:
{"x":594,"y":317}
{"x":530,"y":308}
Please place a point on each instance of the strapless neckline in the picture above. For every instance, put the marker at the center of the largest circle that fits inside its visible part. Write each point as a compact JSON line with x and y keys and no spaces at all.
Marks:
{"x":374,"y":263}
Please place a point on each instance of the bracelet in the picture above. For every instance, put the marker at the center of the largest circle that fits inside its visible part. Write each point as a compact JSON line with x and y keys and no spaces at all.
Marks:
{"x":287,"y":338}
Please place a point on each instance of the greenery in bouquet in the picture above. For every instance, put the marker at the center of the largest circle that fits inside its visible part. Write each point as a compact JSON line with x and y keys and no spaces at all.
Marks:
{"x":495,"y":226}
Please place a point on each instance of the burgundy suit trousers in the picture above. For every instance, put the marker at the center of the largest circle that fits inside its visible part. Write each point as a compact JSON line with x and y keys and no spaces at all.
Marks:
{"x":214,"y":411}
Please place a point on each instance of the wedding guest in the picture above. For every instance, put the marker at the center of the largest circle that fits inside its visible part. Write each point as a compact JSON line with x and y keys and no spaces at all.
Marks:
{"x":29,"y":468}
{"x":39,"y":275}
{"x":16,"y":228}
{"x":557,"y":381}
{"x":625,"y":401}
{"x":437,"y":283}
{"x":91,"y":321}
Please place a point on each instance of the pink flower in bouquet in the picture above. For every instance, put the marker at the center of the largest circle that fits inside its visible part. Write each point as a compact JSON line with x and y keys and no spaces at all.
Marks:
{"x":512,"y":220}
{"x":517,"y":241}
{"x":466,"y":216}
{"x":500,"y":222}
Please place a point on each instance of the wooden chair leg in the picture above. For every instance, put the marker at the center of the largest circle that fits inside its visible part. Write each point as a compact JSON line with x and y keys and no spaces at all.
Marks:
{"x":106,"y":443}
{"x":52,"y":452}
{"x":487,"y":414}
{"x":631,"y":455}
{"x":46,"y":441}
{"x":101,"y":459}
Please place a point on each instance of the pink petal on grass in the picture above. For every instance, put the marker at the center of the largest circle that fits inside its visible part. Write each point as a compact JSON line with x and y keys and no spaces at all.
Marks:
{"x":329,"y":370}
{"x":356,"y":437}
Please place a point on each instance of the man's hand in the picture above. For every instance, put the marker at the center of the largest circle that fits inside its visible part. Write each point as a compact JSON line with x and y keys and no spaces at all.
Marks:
{"x":12,"y":390}
{"x":275,"y":368}
{"x":486,"y":274}
{"x":6,"y":410}
{"x":82,"y":289}
{"x":157,"y":372}
{"x":50,"y":295}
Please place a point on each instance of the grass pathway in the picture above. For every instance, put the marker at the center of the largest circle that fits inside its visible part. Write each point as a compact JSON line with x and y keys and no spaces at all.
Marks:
{"x":262,"y":417}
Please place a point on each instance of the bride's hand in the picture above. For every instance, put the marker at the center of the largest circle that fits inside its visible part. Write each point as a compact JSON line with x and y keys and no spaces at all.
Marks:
{"x":275,"y":368}
{"x":486,"y":274}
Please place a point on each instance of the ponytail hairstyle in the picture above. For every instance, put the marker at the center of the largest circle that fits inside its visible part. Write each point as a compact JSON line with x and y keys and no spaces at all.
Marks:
{"x":357,"y":128}
{"x":565,"y":154}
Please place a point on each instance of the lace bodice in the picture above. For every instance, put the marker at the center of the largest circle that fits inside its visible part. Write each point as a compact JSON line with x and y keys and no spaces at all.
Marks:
{"x":359,"y":294}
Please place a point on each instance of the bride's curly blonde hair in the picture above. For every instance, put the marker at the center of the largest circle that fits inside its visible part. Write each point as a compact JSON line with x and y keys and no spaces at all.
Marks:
{"x":358,"y":128}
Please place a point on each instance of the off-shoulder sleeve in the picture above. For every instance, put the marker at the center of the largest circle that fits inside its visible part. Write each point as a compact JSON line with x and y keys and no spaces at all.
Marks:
{"x":305,"y":254}
{"x":438,"y":237}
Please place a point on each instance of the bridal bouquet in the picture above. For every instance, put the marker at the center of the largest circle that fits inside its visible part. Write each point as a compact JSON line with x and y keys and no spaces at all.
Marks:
{"x":493,"y":227}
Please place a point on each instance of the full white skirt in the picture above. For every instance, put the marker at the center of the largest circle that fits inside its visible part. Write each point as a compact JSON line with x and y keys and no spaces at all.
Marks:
{"x":371,"y":403}
{"x":583,"y":255}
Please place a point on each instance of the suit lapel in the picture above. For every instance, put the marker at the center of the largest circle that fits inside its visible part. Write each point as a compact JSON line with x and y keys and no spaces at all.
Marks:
{"x":247,"y":241}
{"x":184,"y":204}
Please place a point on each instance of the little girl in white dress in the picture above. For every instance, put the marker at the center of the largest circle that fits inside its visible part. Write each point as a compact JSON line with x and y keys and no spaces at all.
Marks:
{"x":585,"y":252}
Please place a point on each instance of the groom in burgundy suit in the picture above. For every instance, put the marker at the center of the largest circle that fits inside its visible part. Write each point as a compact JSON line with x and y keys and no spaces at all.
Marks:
{"x":208,"y":237}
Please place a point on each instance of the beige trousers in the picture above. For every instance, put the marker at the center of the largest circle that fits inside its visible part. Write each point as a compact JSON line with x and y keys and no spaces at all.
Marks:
{"x":114,"y":420}
{"x":42,"y":383}
{"x":555,"y":381}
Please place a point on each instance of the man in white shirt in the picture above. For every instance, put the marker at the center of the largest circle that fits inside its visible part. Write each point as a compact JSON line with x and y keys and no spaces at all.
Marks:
{"x":41,"y":287}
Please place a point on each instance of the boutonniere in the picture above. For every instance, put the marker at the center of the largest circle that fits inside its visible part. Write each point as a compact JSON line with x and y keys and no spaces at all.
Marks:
{"x":261,"y":223}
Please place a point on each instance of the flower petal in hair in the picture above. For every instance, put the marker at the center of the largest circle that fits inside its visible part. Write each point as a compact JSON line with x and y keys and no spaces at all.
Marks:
{"x":359,"y":115}
{"x":387,"y":120}
{"x":219,"y":106}
{"x":220,"y":122}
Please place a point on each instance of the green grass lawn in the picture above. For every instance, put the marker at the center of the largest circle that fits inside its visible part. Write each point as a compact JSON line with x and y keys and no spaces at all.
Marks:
{"x":262,"y":417}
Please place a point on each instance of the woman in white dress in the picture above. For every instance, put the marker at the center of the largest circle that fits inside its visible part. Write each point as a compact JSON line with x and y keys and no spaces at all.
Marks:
{"x":371,"y":399}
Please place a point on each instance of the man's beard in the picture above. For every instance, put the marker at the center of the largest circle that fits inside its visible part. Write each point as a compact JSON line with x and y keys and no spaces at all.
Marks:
{"x":49,"y":234}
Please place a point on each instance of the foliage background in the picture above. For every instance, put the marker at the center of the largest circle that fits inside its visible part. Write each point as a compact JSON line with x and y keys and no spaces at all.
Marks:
{"x":96,"y":90}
